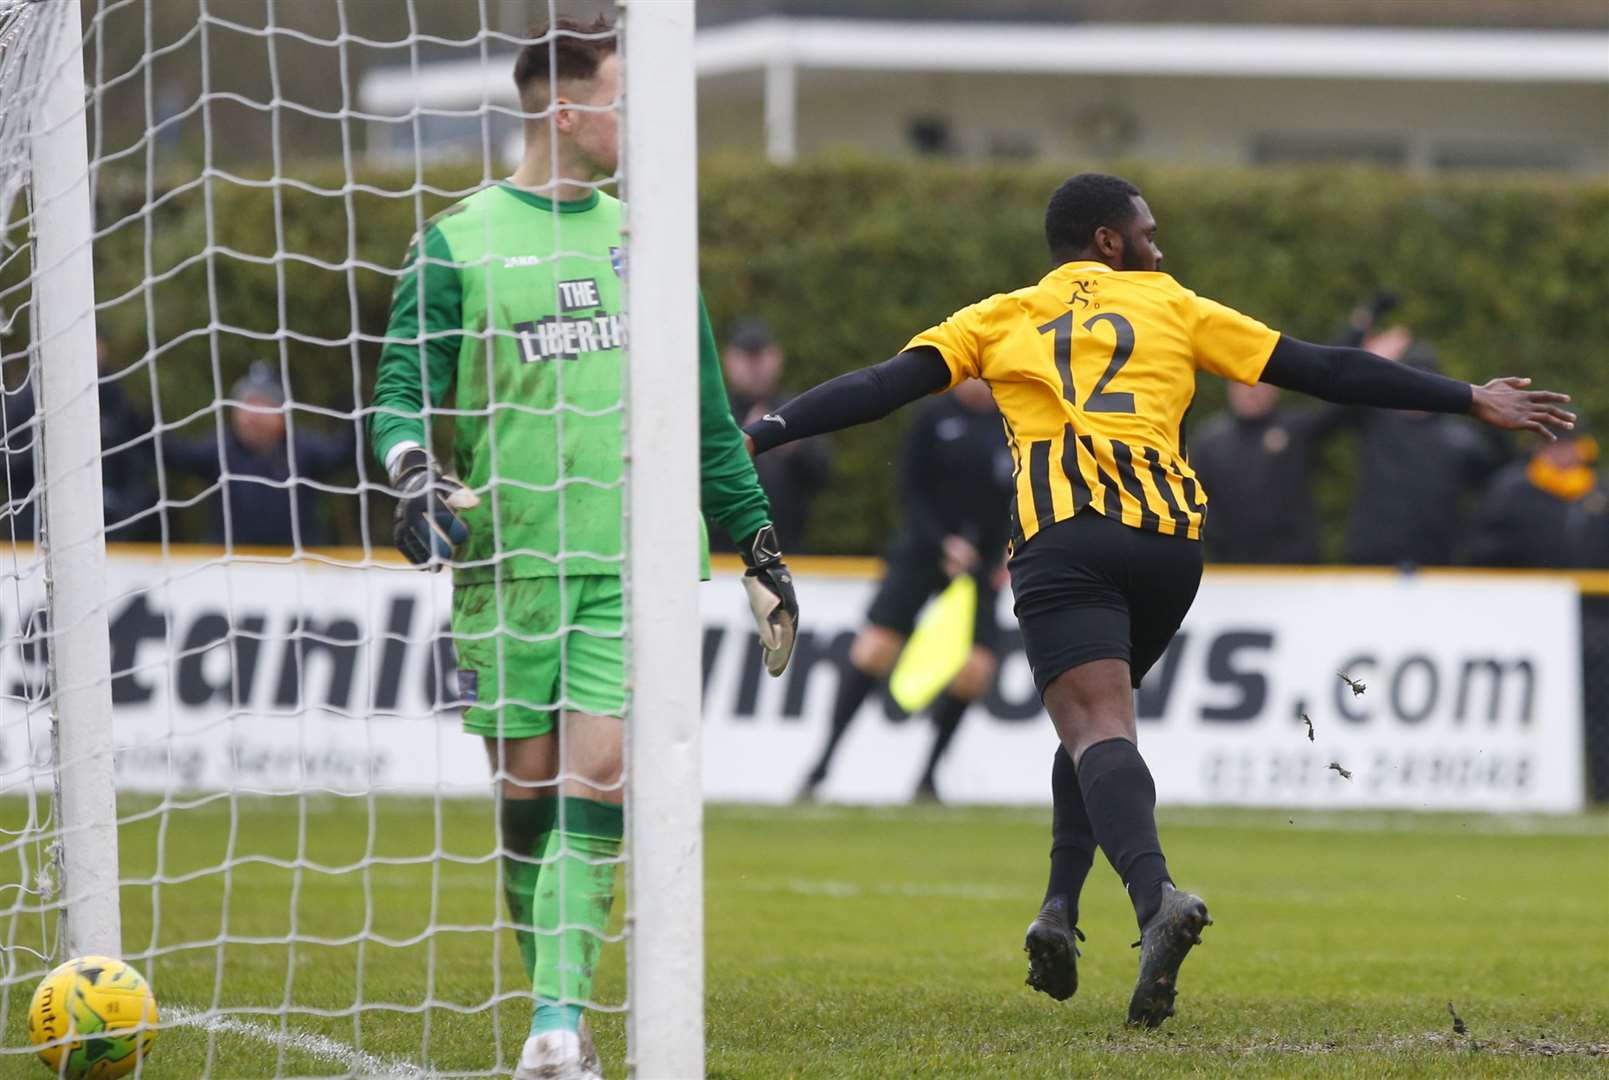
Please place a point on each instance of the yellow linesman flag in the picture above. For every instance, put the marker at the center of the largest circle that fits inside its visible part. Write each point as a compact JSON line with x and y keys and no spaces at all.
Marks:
{"x":938,"y":647}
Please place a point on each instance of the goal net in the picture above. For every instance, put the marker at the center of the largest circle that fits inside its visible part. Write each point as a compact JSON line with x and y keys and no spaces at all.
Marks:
{"x":233,"y":745}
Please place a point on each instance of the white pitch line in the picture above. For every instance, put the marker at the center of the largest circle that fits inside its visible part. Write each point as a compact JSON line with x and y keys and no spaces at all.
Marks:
{"x":322,"y":1047}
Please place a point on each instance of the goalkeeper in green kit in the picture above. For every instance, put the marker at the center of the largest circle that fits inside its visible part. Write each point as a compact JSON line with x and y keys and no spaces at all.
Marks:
{"x":509,"y":303}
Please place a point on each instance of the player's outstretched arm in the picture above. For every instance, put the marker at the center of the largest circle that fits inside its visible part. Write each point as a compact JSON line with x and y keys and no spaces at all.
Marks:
{"x":1354,"y":377}
{"x":855,"y":398}
{"x":858,"y":397}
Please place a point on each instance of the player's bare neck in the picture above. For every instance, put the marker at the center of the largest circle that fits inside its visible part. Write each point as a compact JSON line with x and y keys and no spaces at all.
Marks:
{"x":560,"y":180}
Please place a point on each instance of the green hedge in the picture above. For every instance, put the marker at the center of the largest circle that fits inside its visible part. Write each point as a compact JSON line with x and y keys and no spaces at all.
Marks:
{"x":847,"y":259}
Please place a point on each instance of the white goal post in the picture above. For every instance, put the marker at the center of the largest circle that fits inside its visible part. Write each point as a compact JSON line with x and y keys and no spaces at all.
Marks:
{"x":664,"y":749}
{"x":194,"y":690}
{"x":74,"y":535}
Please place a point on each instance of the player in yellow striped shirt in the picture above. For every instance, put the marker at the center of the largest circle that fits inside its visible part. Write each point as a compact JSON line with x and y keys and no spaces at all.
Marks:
{"x":1093,"y":368}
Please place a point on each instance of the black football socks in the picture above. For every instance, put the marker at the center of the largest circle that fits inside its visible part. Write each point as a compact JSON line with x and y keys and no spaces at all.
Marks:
{"x":852,"y":690}
{"x":946,"y":712}
{"x":1072,"y":838}
{"x":1121,"y":800}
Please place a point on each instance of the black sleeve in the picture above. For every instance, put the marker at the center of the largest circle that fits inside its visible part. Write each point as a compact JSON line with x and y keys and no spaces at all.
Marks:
{"x":1355,"y":377}
{"x":856,"y":398}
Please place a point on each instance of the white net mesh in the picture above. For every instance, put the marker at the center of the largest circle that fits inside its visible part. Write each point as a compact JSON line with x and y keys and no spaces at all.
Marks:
{"x":25,"y":29}
{"x":29,"y":883}
{"x":309,"y":857}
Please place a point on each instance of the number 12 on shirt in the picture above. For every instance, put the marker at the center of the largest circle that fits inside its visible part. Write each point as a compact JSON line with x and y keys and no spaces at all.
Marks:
{"x":1100,"y":399}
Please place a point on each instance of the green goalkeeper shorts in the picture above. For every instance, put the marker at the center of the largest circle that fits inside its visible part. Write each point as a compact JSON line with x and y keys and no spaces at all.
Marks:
{"x":549,"y":645}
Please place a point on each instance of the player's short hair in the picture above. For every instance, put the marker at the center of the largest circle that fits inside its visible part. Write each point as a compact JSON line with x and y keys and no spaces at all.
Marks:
{"x":563,"y":51}
{"x":1083,"y":204}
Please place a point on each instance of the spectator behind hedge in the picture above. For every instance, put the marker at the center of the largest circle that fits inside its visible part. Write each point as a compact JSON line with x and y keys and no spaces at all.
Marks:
{"x":128,"y":463}
{"x":255,"y":468}
{"x":1417,"y":473}
{"x":793,"y":475}
{"x":21,"y":438}
{"x":1549,"y":512}
{"x":1257,"y":461}
{"x":128,"y":459}
{"x":757,"y":247}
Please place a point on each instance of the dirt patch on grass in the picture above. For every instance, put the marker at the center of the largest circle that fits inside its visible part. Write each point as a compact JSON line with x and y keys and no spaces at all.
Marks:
{"x":1542,"y":1046}
{"x":1539,"y":1047}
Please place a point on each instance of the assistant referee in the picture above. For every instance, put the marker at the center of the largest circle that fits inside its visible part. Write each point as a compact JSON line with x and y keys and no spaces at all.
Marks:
{"x":955,"y":482}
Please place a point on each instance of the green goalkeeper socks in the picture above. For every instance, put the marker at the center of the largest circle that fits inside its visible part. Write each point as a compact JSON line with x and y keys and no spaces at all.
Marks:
{"x":574,"y":895}
{"x":527,"y":824}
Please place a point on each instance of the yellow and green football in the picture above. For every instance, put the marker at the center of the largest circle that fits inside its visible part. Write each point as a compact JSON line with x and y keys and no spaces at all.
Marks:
{"x":92,"y":1018}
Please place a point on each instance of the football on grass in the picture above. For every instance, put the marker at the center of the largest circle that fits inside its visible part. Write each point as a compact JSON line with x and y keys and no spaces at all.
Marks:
{"x":92,"y":1018}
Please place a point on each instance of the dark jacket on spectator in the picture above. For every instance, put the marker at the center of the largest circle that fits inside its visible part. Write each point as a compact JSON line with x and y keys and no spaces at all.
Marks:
{"x":1415,"y":475}
{"x":22,"y":433}
{"x":128,"y":467}
{"x":257,"y":488}
{"x":128,"y":464}
{"x":792,"y":477}
{"x":1519,"y":524}
{"x":955,"y":479}
{"x":1257,"y":473}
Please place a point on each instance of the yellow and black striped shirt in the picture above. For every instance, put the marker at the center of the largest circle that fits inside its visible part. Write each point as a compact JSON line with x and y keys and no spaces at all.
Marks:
{"x":1093,"y":370}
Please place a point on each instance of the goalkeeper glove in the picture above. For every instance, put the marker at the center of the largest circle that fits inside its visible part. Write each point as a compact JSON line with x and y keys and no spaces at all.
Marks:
{"x":771,"y":599}
{"x":428,"y":529}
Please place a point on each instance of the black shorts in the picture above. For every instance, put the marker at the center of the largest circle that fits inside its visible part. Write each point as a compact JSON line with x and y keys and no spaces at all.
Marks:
{"x":1090,"y":588}
{"x":911,"y":581}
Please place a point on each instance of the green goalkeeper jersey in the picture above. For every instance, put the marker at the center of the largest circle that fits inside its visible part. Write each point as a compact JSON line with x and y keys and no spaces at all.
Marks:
{"x":510,"y":304}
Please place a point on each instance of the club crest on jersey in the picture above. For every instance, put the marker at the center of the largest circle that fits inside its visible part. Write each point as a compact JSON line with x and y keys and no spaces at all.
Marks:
{"x":617,"y":259}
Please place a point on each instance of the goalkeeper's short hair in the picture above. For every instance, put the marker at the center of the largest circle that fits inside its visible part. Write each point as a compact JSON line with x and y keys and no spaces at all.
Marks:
{"x":561,"y":52}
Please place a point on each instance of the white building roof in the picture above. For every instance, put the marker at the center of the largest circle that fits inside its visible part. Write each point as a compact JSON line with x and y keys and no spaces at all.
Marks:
{"x":781,"y":48}
{"x":1320,"y":52}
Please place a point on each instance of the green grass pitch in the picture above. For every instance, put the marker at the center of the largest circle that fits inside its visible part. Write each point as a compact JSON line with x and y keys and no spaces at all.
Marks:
{"x":870,"y":943}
